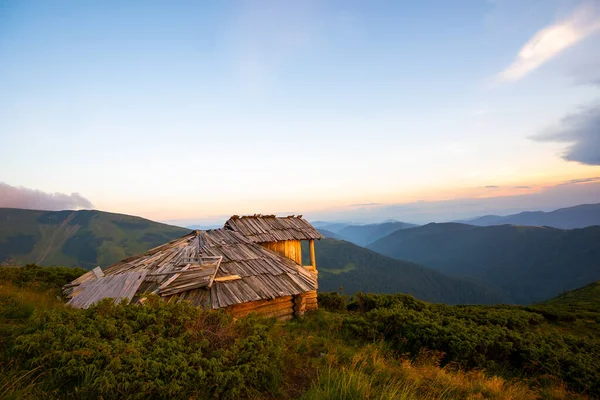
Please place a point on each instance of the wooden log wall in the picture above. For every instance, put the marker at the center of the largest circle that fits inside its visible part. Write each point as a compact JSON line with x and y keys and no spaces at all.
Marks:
{"x":281,"y":308}
{"x":291,"y":249}
{"x":305,"y":302}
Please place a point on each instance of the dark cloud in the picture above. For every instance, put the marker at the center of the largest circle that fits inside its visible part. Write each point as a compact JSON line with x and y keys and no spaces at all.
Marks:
{"x":582,"y":130}
{"x":20,"y":197}
{"x":365,"y":205}
{"x":522,"y":187}
{"x":491,"y":187}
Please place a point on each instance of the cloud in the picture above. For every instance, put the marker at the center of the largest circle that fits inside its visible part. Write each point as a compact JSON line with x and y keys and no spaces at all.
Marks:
{"x":576,"y":181}
{"x":491,"y":187}
{"x":552,"y":40}
{"x":365,"y":205}
{"x":522,"y":187}
{"x":582,"y":130}
{"x":21,"y":197}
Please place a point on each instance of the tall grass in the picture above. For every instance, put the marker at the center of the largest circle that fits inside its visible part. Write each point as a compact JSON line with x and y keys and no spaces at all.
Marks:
{"x":373,"y":375}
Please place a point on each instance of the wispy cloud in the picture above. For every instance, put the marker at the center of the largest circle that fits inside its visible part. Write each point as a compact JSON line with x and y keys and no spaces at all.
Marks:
{"x":576,"y":181}
{"x":522,"y":187}
{"x":563,"y":194}
{"x":491,"y":187}
{"x":582,"y":130}
{"x":554,"y":39}
{"x":21,"y":197}
{"x":365,"y":205}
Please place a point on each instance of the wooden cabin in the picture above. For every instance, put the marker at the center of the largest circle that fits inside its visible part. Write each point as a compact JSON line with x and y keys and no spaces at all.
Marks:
{"x":251,"y":265}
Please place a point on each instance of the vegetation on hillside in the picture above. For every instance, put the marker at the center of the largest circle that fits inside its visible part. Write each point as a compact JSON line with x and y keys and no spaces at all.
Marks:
{"x":375,"y":347}
{"x":86,"y":238}
{"x":357,"y":269}
{"x":529,"y":263}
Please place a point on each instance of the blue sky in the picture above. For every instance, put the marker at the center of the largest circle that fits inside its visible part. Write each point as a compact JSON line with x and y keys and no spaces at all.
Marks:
{"x":191,"y":111}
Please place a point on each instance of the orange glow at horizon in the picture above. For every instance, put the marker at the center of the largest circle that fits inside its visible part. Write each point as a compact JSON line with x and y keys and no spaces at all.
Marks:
{"x":218,"y":208}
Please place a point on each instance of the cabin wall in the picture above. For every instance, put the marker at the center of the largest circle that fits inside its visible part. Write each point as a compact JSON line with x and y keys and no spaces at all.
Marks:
{"x":303,"y":302}
{"x":281,"y":308}
{"x":291,"y":249}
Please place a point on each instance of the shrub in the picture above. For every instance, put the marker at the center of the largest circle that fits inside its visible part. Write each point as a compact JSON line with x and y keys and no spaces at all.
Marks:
{"x":42,"y":278}
{"x":332,"y":301}
{"x":159,"y":350}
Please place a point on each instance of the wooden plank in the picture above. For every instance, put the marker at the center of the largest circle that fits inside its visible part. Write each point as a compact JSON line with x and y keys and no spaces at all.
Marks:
{"x":313,"y":259}
{"x":227,"y":278}
{"x":265,"y":309}
{"x":117,"y":287}
{"x":212,"y":278}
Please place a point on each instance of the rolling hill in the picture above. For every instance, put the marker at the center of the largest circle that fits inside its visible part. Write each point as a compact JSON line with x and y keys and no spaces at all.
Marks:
{"x":91,"y":238}
{"x":363,"y":235}
{"x":528,"y":263}
{"x":580,"y":216}
{"x":357,"y":269}
{"x":85,"y":238}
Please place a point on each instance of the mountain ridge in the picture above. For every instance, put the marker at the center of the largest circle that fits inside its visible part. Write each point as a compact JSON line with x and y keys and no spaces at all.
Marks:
{"x":530,"y":263}
{"x":580,"y":216}
{"x":357,"y":269}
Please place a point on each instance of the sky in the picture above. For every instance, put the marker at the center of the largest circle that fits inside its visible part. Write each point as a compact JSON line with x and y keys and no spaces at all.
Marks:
{"x":189,"y":112}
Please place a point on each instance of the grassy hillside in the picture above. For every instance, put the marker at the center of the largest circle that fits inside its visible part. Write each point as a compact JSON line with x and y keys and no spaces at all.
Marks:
{"x":381,"y":347}
{"x":84,"y":238}
{"x":580,"y":216}
{"x":586,"y":298}
{"x":358,"y":269}
{"x":529,"y":263}
{"x":363,"y":235}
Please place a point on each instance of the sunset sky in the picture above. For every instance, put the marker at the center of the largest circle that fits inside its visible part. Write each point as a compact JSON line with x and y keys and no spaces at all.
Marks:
{"x":191,"y":111}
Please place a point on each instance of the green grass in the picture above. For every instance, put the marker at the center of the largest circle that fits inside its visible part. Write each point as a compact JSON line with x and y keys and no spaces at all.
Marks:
{"x":336,"y":271}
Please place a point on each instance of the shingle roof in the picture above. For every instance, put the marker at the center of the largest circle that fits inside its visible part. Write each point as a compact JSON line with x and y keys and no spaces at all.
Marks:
{"x":269,"y":228}
{"x":215,"y":268}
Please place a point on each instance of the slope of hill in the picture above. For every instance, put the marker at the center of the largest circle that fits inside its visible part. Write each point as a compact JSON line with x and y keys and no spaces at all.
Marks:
{"x":358,"y":269}
{"x":586,"y":298}
{"x":529,"y":263}
{"x":363,"y":235}
{"x":85,"y":238}
{"x":580,"y":216}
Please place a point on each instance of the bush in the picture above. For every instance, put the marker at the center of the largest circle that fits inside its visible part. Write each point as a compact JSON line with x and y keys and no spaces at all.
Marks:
{"x":367,"y":302}
{"x":42,"y":278}
{"x":158,"y":350}
{"x":332,"y":301}
{"x":496,"y":338}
